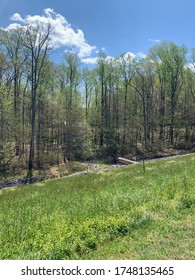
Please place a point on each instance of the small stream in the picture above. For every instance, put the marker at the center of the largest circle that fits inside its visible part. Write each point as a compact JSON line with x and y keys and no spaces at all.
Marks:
{"x":91,"y":168}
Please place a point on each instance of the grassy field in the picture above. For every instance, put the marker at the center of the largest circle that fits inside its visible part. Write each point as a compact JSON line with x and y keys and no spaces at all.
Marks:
{"x":116,"y":214}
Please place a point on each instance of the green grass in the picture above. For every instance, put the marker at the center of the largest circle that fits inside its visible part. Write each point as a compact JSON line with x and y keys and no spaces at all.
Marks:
{"x":116,"y":214}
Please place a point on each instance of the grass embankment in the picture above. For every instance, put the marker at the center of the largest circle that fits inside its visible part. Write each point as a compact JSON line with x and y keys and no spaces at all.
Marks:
{"x":117,"y":214}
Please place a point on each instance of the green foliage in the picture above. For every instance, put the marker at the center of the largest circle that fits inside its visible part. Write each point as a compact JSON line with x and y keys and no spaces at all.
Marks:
{"x":50,"y":113}
{"x":123,"y":213}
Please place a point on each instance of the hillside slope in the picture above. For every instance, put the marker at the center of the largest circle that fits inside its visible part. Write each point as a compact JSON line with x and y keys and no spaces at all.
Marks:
{"x":124,"y":213}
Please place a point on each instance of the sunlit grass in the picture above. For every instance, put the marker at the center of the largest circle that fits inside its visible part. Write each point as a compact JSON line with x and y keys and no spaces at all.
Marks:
{"x":116,"y":214}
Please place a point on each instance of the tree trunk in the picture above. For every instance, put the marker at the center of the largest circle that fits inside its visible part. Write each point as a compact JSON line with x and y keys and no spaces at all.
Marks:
{"x":31,"y":154}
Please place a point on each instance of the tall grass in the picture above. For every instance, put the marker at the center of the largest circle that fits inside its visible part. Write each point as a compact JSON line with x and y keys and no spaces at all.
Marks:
{"x":124,"y":213}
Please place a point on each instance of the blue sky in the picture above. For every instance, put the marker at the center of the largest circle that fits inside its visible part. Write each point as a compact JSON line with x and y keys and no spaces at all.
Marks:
{"x":116,"y":26}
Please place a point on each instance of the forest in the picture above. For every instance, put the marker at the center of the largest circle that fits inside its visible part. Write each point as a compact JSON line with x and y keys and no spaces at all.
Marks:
{"x":52,"y":113}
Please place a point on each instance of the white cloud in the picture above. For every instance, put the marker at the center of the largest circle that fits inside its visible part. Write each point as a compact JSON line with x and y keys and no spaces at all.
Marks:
{"x":129,"y":56}
{"x":141,"y":55}
{"x":63,"y":35}
{"x":157,"y":41}
{"x":109,"y":58}
{"x":13,"y":26}
{"x":103,"y":49}
{"x":94,"y":60}
{"x":49,"y":12}
{"x":190,"y":66}
{"x":90,"y":60}
{"x":17,"y":17}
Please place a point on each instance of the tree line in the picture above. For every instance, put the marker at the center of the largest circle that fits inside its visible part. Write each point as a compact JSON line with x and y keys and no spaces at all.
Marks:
{"x":51,"y":113}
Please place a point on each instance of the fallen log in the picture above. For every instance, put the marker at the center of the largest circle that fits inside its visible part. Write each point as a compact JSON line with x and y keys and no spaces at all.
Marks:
{"x":126,"y":161}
